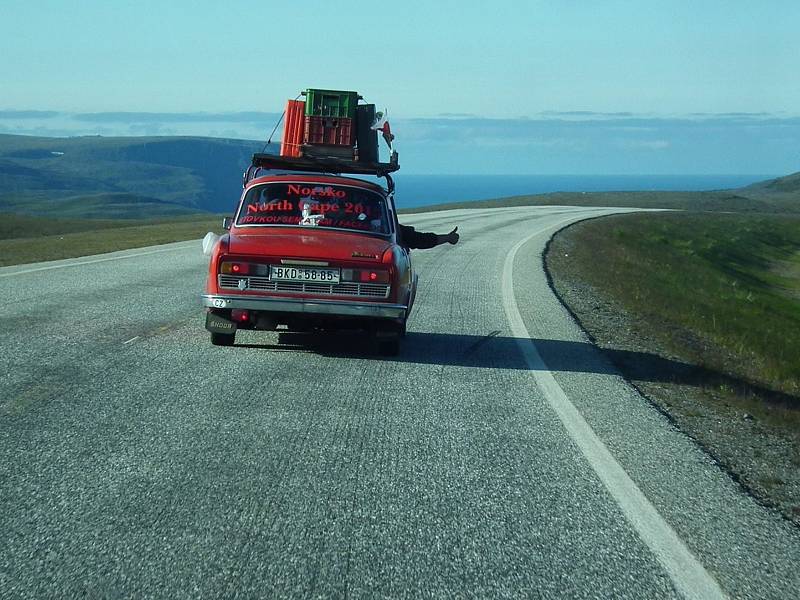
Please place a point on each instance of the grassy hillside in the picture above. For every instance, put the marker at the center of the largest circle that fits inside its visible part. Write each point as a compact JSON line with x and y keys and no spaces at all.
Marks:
{"x":790,"y":184}
{"x":104,"y":205}
{"x":723,"y":290}
{"x":26,"y":239}
{"x":140,"y":176}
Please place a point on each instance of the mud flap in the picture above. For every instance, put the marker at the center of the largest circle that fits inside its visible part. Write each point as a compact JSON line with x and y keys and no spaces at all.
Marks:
{"x":219,"y":324}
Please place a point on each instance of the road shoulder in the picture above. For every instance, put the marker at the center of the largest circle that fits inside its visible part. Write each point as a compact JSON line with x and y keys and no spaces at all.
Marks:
{"x":760,"y":457}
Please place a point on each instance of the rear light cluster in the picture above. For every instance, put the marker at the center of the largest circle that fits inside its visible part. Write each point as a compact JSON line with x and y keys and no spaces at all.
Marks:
{"x":365,"y":275}
{"x":244,"y":268}
{"x":259,"y":270}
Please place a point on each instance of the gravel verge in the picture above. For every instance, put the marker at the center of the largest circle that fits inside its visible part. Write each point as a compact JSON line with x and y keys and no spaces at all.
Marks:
{"x":743,"y":434}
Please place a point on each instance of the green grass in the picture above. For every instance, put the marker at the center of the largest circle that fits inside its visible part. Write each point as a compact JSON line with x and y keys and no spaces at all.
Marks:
{"x":720,"y":290}
{"x":104,"y":205}
{"x":25,"y":239}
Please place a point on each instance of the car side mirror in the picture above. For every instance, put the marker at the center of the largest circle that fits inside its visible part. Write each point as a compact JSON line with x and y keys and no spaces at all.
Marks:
{"x":227,"y":222}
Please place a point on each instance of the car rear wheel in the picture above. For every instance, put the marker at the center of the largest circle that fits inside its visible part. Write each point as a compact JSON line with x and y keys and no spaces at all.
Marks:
{"x":223,"y":339}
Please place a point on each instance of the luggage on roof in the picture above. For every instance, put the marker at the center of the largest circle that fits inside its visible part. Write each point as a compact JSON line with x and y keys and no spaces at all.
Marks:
{"x":330,"y":124}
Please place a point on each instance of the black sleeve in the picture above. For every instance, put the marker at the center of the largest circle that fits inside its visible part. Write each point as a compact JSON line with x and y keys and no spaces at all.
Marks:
{"x":411,"y":238}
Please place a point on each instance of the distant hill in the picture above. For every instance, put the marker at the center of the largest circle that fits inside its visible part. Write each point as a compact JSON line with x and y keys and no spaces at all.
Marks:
{"x":142,"y":177}
{"x":774,"y":196}
{"x":130,"y":177}
{"x":789,"y":184}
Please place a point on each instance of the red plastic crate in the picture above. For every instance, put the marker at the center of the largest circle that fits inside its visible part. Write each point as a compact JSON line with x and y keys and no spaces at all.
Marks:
{"x":293,"y":124}
{"x":331,"y":131}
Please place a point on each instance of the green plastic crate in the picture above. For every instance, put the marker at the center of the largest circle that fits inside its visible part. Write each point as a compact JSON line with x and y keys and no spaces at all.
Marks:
{"x":331,"y":103}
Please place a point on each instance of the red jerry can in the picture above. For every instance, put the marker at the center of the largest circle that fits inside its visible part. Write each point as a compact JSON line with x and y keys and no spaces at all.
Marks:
{"x":293,"y":128}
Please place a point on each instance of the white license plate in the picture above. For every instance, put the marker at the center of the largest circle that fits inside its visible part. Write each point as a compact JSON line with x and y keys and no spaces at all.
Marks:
{"x":304,"y":274}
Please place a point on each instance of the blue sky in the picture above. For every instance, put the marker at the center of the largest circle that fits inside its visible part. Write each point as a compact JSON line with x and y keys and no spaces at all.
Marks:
{"x":570,"y":83}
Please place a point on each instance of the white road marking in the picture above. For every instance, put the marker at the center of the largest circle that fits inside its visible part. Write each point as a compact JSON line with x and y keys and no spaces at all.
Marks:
{"x":687,"y":574}
{"x":133,"y":339}
{"x":96,"y":260}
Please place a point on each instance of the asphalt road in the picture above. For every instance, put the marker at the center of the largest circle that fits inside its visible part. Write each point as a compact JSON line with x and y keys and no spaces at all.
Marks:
{"x":499,"y":455}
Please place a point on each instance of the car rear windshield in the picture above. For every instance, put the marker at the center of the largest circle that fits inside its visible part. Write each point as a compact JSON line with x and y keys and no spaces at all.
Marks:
{"x":314,"y":205}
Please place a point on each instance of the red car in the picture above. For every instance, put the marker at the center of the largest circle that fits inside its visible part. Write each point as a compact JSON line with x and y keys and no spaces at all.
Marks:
{"x":310,"y":252}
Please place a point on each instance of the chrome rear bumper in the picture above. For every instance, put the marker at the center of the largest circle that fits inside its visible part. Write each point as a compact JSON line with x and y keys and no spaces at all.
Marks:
{"x":380,"y":310}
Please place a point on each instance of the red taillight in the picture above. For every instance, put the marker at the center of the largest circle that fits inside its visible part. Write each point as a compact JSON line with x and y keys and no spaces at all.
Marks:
{"x":240,"y":315}
{"x":373,"y":276}
{"x":237,"y":268}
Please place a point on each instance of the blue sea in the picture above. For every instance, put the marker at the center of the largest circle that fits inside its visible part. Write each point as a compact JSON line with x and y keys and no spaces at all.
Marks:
{"x":424,"y":190}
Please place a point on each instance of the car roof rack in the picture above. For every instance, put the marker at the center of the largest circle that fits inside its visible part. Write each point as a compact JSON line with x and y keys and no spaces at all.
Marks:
{"x":336,"y":166}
